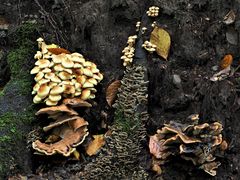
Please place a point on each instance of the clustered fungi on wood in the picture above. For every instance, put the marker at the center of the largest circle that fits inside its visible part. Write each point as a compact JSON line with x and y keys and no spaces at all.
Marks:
{"x":120,"y":157}
{"x":193,"y":142}
{"x":66,"y":79}
{"x":128,"y":52}
{"x":149,"y":46}
{"x":62,"y":74}
{"x":153,"y":11}
{"x":68,"y":130}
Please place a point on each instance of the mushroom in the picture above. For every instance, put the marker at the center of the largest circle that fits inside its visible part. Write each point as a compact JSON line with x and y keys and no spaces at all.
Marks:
{"x":43,"y":91}
{"x":57,"y":109}
{"x":76,"y":102}
{"x":66,"y":145}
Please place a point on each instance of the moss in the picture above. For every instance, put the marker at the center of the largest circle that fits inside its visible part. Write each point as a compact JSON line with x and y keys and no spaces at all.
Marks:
{"x":126,"y":124}
{"x":14,"y":125}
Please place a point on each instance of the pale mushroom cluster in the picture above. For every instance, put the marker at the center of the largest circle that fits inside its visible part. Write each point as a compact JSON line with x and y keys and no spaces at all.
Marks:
{"x":138,"y":24}
{"x":153,"y":11}
{"x":149,"y":46}
{"x":128,"y":52}
{"x":61,"y":74}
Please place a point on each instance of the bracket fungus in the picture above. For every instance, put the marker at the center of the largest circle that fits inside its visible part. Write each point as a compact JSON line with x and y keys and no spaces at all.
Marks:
{"x":67,"y":131}
{"x":193,"y":142}
{"x":67,"y":71}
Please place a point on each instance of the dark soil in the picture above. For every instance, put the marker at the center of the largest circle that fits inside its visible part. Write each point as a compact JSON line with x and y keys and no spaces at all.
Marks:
{"x":99,"y":30}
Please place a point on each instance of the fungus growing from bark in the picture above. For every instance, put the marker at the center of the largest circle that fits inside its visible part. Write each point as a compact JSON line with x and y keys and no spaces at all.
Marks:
{"x":57,"y":65}
{"x":193,"y":142}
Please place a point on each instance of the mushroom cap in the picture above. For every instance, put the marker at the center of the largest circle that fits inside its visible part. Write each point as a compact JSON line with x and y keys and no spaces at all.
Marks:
{"x":51,"y":103}
{"x":49,"y":75}
{"x":56,"y":79}
{"x":57,"y":90}
{"x":36,"y":87}
{"x":67,"y":63}
{"x":85,"y":94}
{"x":68,"y":70}
{"x":76,"y":54}
{"x":58,"y":67}
{"x":43,"y":81}
{"x":37,"y":99}
{"x":57,"y":59}
{"x":57,"y":109}
{"x":64,"y":75}
{"x":87,"y":64}
{"x":42,"y":63}
{"x":52,"y":85}
{"x":76,"y":102}
{"x":93,"y":81}
{"x":39,"y":76}
{"x":77,"y":65}
{"x":35,"y":70}
{"x":87,"y":72}
{"x":54,"y":98}
{"x":81,"y":79}
{"x":87,"y":84}
{"x":40,"y":40}
{"x":46,"y":70}
{"x":69,"y":89}
{"x":43,"y":91}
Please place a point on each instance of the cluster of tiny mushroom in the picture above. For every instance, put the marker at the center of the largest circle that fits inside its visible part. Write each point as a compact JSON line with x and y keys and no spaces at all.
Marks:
{"x":149,"y":46}
{"x":128,"y":52}
{"x":153,"y":11}
{"x":59,"y":73}
{"x":138,"y":25}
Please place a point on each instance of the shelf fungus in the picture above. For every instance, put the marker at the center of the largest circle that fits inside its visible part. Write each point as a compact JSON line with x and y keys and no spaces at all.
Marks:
{"x":194,"y":142}
{"x":128,"y":52}
{"x":153,"y":11}
{"x":60,"y":74}
{"x":66,"y":133}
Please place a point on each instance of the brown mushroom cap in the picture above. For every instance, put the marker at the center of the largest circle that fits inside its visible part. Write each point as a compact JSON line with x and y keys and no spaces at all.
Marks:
{"x":43,"y":91}
{"x":42,"y":63}
{"x":39,"y":76}
{"x":57,"y":109}
{"x":85,"y":94}
{"x":60,"y":120}
{"x":77,"y":123}
{"x":76,"y":102}
{"x":35,"y":70}
{"x":64,"y":75}
{"x":57,"y":90}
{"x":67,"y":63}
{"x":66,"y":145}
{"x":57,"y":59}
{"x":69,"y":89}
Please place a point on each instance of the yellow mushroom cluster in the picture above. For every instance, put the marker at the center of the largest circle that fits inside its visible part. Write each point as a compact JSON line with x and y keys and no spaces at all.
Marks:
{"x":128,"y":52}
{"x":153,"y":11}
{"x":62,"y":75}
{"x":149,"y":46}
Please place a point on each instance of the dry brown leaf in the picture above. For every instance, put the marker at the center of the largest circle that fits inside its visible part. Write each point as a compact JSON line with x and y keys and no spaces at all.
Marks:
{"x":58,"y":51}
{"x":226,"y":61}
{"x":112,"y":91}
{"x":162,"y":40}
{"x":157,"y":169}
{"x":95,"y":145}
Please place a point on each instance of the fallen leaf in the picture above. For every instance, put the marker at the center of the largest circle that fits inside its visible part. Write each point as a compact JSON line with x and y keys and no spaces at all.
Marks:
{"x":112,"y":91}
{"x":156,"y":146}
{"x":76,"y":154}
{"x":226,"y":61}
{"x":162,"y":40}
{"x":95,"y":145}
{"x":221,"y":74}
{"x":58,"y":51}
{"x":229,"y":18}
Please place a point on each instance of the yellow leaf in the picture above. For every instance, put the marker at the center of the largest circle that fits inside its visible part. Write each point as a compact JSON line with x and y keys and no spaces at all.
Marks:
{"x":162,"y":40}
{"x":95,"y":145}
{"x":76,"y":154}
